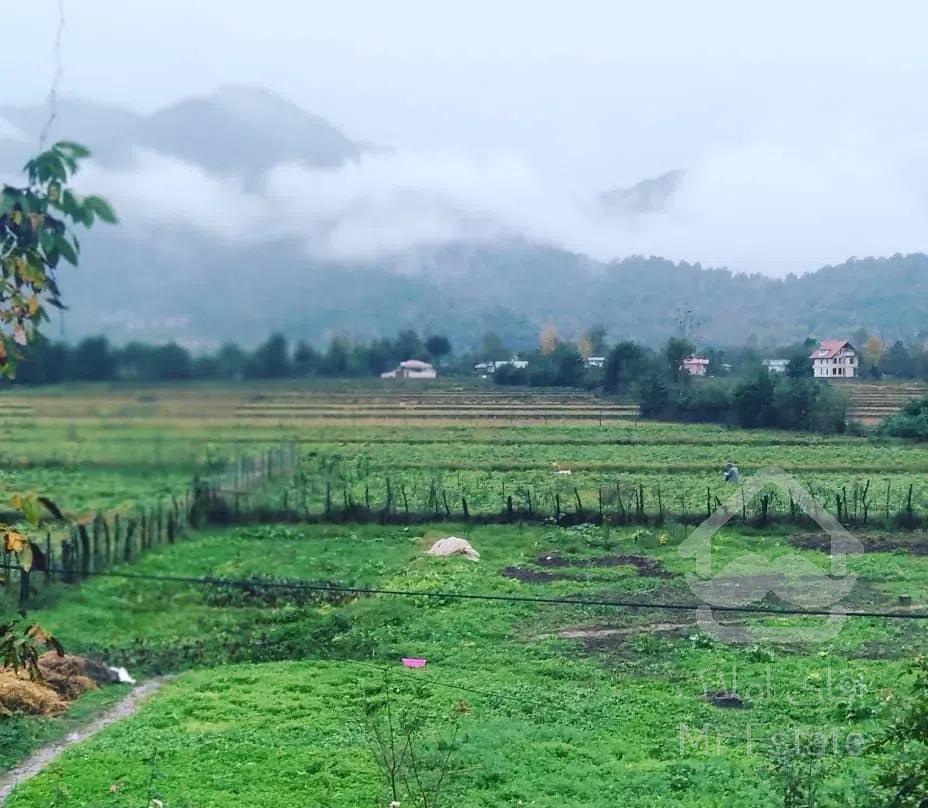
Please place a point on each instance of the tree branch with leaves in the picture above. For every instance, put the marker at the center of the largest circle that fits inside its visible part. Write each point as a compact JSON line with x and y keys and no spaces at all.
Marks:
{"x":37,"y":224}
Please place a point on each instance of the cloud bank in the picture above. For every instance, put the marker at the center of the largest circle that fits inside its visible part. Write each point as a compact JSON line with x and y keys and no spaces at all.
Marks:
{"x":772,"y":204}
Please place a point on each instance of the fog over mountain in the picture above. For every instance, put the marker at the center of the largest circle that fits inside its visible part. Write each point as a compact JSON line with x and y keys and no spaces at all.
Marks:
{"x":242,"y":213}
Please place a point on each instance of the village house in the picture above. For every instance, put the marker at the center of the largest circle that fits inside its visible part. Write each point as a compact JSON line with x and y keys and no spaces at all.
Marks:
{"x":695,"y":365}
{"x":595,"y":361}
{"x":489,"y":368}
{"x":776,"y":365}
{"x":834,"y":359}
{"x":411,"y":369}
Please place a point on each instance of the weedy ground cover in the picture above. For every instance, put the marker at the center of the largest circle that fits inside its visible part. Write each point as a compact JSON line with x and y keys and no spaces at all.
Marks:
{"x":589,"y":704}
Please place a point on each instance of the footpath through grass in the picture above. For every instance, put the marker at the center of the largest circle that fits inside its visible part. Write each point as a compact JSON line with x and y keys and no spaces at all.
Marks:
{"x":556,"y":704}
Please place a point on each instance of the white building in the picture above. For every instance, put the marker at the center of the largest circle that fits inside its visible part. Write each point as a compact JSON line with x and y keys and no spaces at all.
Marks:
{"x":489,"y":368}
{"x":595,"y":361}
{"x":834,"y":359}
{"x":411,"y":369}
{"x":776,"y":365}
{"x":695,"y":365}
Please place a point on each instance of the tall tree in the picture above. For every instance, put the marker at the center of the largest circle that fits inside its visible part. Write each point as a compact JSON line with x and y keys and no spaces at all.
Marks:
{"x":897,"y":361}
{"x":408,"y":345}
{"x":438,"y":346}
{"x":93,"y":361}
{"x":270,"y":360}
{"x":547,"y":339}
{"x":493,"y":349}
{"x":596,"y":335}
{"x":306,"y":360}
{"x":675,"y":351}
{"x":625,"y":364}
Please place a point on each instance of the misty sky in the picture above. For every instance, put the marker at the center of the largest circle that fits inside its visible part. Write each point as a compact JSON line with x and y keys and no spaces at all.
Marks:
{"x":802,"y":125}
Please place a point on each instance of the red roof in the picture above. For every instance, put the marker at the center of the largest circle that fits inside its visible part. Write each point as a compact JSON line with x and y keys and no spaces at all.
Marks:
{"x":829,"y":348}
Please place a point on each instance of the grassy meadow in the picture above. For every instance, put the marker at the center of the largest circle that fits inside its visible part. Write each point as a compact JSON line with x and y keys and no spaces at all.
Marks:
{"x":281,"y":692}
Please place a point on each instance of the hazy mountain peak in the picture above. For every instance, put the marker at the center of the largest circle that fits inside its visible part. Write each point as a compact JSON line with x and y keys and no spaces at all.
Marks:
{"x":648,"y":196}
{"x":245,"y":130}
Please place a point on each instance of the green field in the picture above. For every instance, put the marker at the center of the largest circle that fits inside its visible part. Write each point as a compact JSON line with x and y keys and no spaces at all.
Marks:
{"x":91,"y":448}
{"x":281,"y":691}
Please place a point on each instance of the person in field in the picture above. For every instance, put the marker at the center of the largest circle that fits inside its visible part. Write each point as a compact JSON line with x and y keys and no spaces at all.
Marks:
{"x":731,"y":473}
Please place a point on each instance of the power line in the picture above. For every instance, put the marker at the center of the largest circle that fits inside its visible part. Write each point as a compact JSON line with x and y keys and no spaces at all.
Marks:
{"x":56,"y":78}
{"x":308,"y":586}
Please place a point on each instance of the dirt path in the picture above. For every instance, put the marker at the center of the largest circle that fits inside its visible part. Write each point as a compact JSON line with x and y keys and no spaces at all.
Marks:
{"x":42,"y":757}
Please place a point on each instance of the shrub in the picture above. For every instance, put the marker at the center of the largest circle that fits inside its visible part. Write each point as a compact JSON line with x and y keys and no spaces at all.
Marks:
{"x":911,"y":423}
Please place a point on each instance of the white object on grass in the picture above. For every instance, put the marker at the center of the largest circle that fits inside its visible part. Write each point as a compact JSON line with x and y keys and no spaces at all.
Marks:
{"x":452,"y":545}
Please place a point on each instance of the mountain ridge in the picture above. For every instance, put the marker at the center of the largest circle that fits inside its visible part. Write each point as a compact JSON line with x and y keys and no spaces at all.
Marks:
{"x":157,"y":284}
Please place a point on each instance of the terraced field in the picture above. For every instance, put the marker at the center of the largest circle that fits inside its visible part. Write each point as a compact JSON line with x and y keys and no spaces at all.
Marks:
{"x":871,"y":402}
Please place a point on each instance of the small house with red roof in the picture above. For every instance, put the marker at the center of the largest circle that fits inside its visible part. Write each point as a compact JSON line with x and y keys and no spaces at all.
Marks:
{"x":834,"y":359}
{"x":695,"y":365}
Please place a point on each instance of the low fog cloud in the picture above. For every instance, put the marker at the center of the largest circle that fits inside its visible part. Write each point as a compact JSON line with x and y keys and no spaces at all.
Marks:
{"x":10,"y":132}
{"x":774,"y":204}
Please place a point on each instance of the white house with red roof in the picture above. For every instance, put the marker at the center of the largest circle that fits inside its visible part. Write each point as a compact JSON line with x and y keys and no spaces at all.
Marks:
{"x":411,"y":369}
{"x":834,"y":359}
{"x":695,"y":365}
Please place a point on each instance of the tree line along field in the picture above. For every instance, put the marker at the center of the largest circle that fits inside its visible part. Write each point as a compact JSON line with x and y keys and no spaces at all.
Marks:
{"x":555,"y":703}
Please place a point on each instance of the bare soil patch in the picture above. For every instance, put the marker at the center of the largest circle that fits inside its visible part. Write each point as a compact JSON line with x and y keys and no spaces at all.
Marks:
{"x":915,"y":543}
{"x":726,"y":699}
{"x":642,"y":565}
{"x":625,"y":631}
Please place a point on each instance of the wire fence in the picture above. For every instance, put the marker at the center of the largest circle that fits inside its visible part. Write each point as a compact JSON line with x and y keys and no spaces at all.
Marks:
{"x":73,"y":550}
{"x":335,"y":492}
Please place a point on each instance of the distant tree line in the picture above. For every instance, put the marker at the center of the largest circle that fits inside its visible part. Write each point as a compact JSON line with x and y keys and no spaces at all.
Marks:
{"x":879,"y":358}
{"x":742,"y":392}
{"x":739,"y":391}
{"x":95,"y":359}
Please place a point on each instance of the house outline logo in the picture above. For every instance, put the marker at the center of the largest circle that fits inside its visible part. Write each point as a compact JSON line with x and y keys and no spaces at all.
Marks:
{"x":751,"y":577}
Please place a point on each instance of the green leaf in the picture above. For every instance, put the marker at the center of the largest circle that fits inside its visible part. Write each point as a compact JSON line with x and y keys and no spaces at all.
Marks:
{"x":101,"y":208}
{"x":70,"y":204}
{"x":75,"y":150}
{"x":67,"y":251}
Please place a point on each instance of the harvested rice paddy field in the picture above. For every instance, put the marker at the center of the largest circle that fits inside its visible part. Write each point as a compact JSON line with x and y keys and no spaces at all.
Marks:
{"x":579,"y":675}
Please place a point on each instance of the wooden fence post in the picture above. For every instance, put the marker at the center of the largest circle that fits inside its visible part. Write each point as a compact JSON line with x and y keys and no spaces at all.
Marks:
{"x":49,"y":561}
{"x":95,"y":542}
{"x":23,"y":588}
{"x":127,"y":550}
{"x":107,"y":542}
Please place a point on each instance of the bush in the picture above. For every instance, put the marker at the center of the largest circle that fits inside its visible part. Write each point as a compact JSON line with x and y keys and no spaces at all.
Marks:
{"x":911,"y":423}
